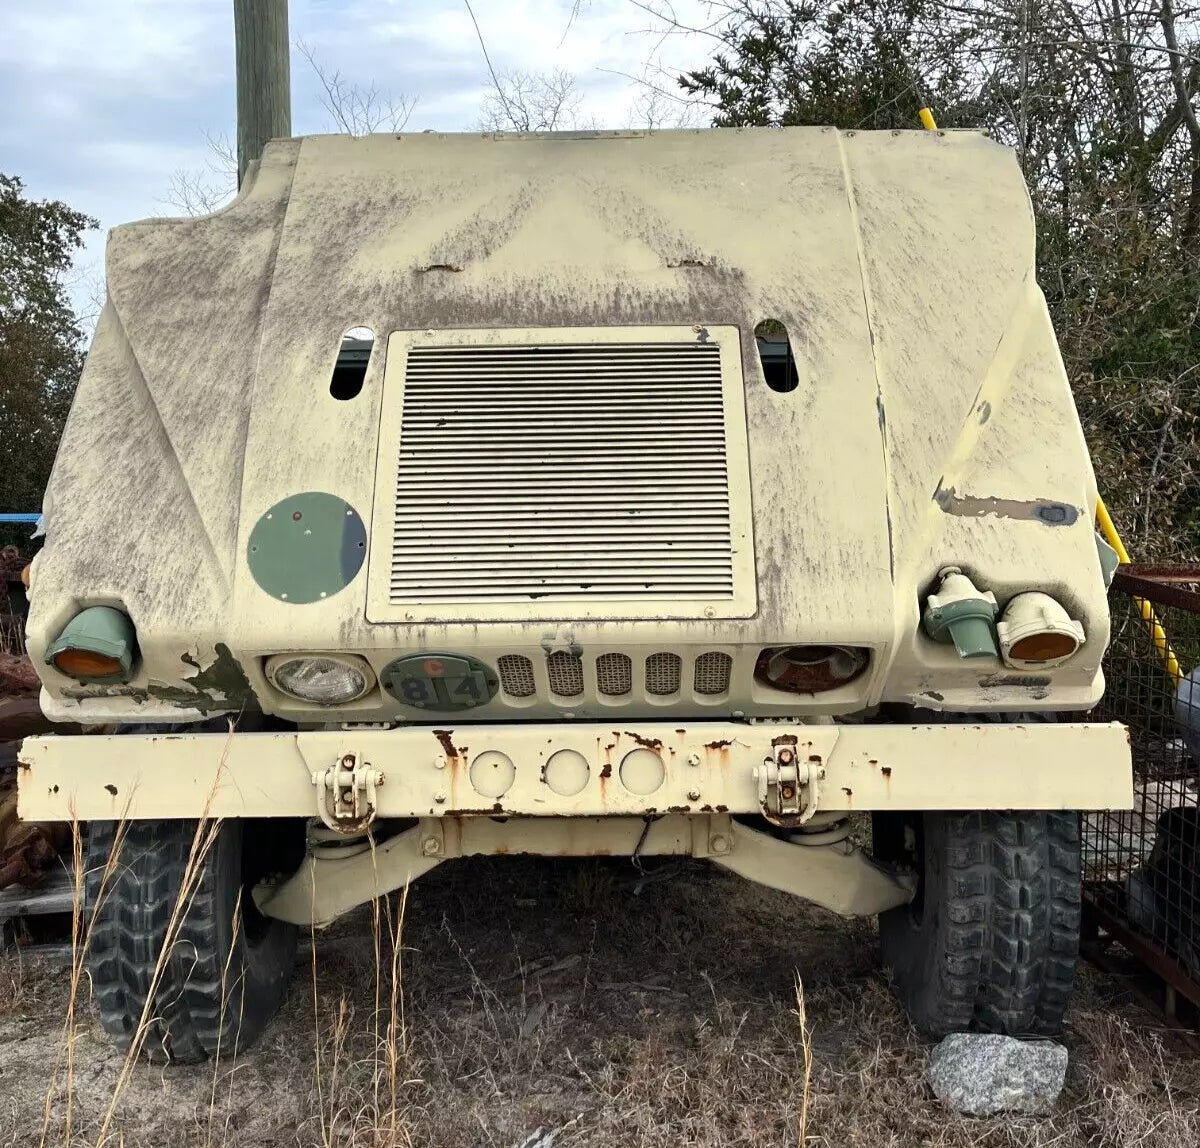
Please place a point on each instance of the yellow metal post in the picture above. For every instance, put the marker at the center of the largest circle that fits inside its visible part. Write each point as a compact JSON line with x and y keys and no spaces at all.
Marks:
{"x":1108,"y":530}
{"x":1158,"y":635}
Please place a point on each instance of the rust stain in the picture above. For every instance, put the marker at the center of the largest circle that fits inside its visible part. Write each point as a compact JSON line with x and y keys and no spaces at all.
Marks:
{"x":721,"y":748}
{"x":679,"y":809}
{"x":785,"y":739}
{"x":446,"y":741}
{"x":645,"y":742}
{"x":886,"y":771}
{"x":110,"y":787}
{"x":847,"y":791}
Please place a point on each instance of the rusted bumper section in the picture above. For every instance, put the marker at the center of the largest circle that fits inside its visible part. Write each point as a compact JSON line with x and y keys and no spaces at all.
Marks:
{"x":789,"y":771}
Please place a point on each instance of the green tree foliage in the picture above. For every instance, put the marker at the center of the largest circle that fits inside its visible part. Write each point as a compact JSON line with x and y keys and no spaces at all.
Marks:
{"x":1097,"y":99}
{"x":40,"y":340}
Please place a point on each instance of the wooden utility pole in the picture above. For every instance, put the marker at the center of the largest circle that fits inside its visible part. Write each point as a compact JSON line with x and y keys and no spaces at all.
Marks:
{"x":264,"y":78}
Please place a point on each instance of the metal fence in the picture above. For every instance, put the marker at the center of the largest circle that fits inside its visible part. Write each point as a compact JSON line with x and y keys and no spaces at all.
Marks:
{"x":1141,"y":868}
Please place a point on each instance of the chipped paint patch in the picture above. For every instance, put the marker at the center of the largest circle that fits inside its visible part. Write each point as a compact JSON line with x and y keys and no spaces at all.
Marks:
{"x":221,"y":685}
{"x":971,"y":506}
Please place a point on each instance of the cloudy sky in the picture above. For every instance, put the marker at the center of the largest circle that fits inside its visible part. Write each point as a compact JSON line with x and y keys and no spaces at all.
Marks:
{"x":104,"y":101}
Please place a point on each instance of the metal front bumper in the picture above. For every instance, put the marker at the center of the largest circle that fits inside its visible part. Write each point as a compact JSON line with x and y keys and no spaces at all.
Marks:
{"x":632,"y":770}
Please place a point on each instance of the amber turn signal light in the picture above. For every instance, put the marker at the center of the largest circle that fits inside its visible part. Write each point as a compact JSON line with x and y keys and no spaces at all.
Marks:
{"x":1036,"y":632}
{"x":97,"y":645}
{"x":86,"y":664}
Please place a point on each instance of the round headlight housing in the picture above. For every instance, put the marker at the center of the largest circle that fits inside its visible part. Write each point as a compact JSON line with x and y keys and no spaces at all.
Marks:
{"x":323,"y":679}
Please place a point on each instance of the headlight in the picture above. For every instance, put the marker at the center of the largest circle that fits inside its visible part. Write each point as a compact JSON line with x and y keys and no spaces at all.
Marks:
{"x":326,"y":679}
{"x":809,"y":669}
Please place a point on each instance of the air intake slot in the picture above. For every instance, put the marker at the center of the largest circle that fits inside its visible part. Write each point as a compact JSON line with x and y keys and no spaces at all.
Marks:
{"x":663,"y":674}
{"x":516,"y":675}
{"x":712,"y":672}
{"x":614,"y":674}
{"x":566,"y":674}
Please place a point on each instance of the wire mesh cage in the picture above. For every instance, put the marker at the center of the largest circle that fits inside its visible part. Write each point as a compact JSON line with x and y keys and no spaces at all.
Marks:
{"x":1141,"y":867}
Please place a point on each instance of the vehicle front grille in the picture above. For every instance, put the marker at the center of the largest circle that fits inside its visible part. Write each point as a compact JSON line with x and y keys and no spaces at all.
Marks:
{"x":562,"y":471}
{"x":616,"y":677}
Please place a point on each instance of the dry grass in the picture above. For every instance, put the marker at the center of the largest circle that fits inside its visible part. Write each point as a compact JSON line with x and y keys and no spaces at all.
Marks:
{"x":567,"y":1004}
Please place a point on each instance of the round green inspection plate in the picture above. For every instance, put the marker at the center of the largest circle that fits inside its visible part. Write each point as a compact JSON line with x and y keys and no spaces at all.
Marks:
{"x":444,"y":683}
{"x":307,"y":547}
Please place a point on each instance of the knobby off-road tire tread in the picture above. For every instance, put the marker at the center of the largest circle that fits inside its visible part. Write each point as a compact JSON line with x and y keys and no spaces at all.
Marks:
{"x":194,"y":1014}
{"x":140,"y":896}
{"x":1013,"y":875}
{"x":1010,"y":899}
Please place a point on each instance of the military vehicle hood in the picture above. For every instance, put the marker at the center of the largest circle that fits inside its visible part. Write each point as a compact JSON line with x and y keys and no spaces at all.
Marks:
{"x":932,"y":423}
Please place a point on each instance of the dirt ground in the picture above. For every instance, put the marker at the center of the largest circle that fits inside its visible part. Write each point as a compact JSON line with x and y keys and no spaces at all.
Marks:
{"x":557,"y":1004}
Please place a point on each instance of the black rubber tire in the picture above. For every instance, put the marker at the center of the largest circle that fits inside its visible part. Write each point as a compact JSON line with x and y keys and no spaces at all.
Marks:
{"x":991,"y":940}
{"x":218,"y":987}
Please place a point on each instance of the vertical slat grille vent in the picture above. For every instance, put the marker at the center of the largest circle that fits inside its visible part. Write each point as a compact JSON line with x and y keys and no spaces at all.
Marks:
{"x":562,"y":471}
{"x":663,"y":674}
{"x":614,"y":674}
{"x":516,"y":675}
{"x":712,"y":673}
{"x":566,"y":674}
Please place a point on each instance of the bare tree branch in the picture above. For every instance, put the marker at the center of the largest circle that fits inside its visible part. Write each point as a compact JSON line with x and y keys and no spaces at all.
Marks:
{"x":357,"y":109}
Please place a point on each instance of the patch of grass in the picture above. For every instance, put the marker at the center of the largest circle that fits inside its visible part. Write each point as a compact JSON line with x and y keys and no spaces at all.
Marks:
{"x":492,"y":1008}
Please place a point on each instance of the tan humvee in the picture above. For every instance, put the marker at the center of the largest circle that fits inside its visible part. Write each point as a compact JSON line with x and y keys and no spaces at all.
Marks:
{"x":617,"y":493}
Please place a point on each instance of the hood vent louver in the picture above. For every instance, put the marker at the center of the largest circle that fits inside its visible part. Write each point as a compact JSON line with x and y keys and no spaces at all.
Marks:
{"x":551,"y":475}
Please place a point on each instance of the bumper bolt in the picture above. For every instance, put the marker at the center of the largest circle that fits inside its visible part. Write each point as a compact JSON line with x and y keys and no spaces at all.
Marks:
{"x":431,"y":846}
{"x":718,"y":844}
{"x":693,"y":795}
{"x":440,"y":798}
{"x":693,"y":759}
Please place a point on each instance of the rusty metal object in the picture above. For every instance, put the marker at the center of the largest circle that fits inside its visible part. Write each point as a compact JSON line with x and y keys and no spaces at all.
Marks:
{"x":27,"y":850}
{"x":17,"y":679}
{"x":1161,"y":585}
{"x":12,"y":564}
{"x":1054,"y":765}
{"x":1141,"y":883}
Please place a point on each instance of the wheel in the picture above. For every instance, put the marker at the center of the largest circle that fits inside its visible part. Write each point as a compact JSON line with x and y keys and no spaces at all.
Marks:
{"x":222,"y":978}
{"x":990,"y":940}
